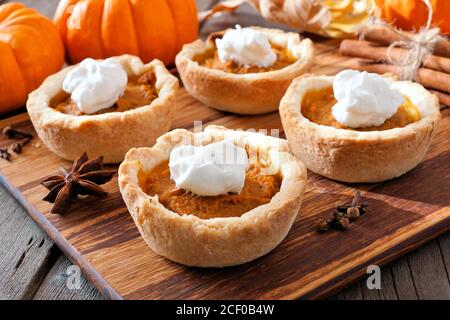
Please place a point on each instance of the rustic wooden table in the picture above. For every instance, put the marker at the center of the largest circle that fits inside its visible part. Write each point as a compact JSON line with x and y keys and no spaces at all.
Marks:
{"x":32,"y":267}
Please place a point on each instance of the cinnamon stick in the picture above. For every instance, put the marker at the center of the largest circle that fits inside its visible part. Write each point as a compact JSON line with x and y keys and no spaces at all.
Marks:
{"x":366,"y":50}
{"x":428,"y":78}
{"x":444,"y":99}
{"x":386,"y":37}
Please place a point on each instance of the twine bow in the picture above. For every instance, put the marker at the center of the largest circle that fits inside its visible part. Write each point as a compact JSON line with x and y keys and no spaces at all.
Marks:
{"x":419,"y":45}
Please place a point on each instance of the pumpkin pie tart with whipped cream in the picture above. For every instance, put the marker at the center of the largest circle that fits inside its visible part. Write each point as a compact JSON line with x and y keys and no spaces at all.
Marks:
{"x":214,"y":198}
{"x":104,"y":107}
{"x":244,"y":70}
{"x":357,"y":126}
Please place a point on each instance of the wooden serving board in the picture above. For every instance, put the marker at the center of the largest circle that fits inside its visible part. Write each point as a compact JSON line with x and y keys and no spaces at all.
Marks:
{"x":100,"y":237}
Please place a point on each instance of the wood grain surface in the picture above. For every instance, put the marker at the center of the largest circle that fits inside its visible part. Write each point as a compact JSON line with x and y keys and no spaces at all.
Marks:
{"x":101,"y":237}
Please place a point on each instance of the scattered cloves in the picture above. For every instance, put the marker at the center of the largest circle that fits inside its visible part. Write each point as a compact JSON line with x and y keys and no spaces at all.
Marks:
{"x":16,"y":147}
{"x":343,"y":215}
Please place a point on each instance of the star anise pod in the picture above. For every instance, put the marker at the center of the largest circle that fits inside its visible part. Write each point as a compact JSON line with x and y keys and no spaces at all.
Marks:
{"x":84,"y":178}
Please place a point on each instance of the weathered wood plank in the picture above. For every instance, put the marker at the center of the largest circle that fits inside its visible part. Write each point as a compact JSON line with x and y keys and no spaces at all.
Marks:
{"x":352,"y":292}
{"x":26,"y":252}
{"x":371,"y":294}
{"x":387,"y":291}
{"x":429,"y":273}
{"x":62,"y":283}
{"x":360,"y":291}
{"x":403,"y":282}
{"x":444,"y":246}
{"x":399,"y":280}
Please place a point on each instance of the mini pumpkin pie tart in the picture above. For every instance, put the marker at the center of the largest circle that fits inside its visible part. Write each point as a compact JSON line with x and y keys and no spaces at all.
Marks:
{"x":244,"y":70}
{"x":104,"y":107}
{"x":214,"y":198}
{"x":357,"y":126}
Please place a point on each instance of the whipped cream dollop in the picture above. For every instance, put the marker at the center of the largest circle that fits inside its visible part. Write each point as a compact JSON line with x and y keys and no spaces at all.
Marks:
{"x":246,"y":47}
{"x":211,"y":170}
{"x":363,"y":99}
{"x":96,"y":85}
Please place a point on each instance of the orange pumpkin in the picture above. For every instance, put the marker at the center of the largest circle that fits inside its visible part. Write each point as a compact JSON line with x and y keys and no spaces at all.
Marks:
{"x":412,"y":14}
{"x":146,"y":28}
{"x":30,"y":50}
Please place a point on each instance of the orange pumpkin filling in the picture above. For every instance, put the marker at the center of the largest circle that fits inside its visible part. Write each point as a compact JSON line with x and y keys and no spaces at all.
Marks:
{"x":138,"y":93}
{"x":317,"y":106}
{"x":258,"y":190}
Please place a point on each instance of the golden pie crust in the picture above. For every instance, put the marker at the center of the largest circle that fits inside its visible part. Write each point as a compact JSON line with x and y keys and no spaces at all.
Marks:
{"x":250,"y":93}
{"x":358,"y":156}
{"x":111,"y":134}
{"x":214,"y":242}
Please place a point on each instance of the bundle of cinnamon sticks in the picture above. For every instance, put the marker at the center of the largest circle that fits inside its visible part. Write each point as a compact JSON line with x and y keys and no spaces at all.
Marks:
{"x":434,"y":74}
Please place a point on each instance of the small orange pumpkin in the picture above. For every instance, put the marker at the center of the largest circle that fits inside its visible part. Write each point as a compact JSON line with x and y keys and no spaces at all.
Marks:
{"x":412,"y":14}
{"x":146,"y":28}
{"x":30,"y":50}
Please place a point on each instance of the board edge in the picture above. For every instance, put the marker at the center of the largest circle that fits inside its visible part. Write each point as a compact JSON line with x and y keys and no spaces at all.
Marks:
{"x":74,"y":256}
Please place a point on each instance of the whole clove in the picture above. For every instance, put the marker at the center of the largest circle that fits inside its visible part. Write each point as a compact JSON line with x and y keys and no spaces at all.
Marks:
{"x":353,"y":213}
{"x":11,"y":133}
{"x":4,"y":154}
{"x":342,"y":223}
{"x":17,"y":146}
{"x":338,"y":214}
{"x":343,"y":215}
